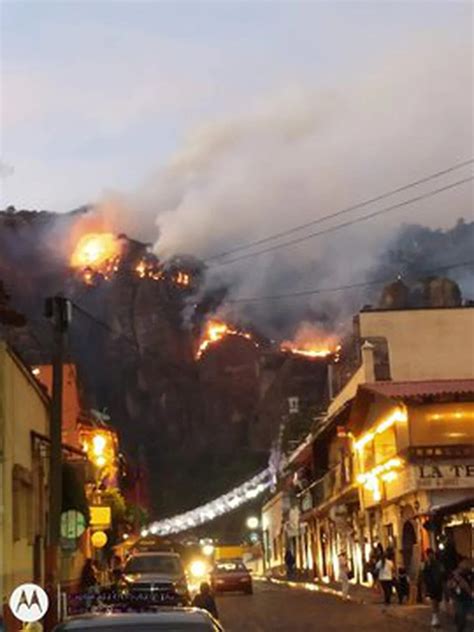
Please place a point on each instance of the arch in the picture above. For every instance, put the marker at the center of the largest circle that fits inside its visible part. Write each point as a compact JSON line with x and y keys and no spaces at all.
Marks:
{"x":409,"y":541}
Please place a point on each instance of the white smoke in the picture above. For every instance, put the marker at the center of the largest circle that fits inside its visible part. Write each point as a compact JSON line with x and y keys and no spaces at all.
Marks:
{"x":310,"y":152}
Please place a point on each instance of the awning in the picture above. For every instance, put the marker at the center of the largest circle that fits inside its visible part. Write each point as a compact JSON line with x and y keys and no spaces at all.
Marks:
{"x":461,"y":500}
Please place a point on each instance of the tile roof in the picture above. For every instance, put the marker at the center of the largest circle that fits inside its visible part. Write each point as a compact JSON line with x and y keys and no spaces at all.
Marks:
{"x":421,"y":388}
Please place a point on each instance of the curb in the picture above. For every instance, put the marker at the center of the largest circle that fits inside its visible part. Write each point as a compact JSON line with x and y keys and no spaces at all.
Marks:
{"x":308,"y":586}
{"x":338,"y":593}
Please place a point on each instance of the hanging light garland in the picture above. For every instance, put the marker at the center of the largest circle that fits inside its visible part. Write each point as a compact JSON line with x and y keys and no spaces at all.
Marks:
{"x":213,"y":509}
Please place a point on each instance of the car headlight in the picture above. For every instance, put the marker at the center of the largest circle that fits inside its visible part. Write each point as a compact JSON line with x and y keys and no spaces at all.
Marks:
{"x":198,"y":569}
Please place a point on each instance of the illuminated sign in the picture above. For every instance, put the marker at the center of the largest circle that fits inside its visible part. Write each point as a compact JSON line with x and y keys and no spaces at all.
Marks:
{"x":29,"y":603}
{"x":445,"y":475}
{"x":73,"y":524}
{"x":101,"y":516}
{"x":99,"y":539}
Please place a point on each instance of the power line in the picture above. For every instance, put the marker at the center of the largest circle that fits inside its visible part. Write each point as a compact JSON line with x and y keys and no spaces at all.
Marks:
{"x":343,"y":211}
{"x":103,"y":324}
{"x":342,"y":288}
{"x":362,"y":218}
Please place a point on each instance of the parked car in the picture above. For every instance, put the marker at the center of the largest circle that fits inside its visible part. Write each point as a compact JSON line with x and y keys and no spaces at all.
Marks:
{"x":231,"y":575}
{"x":175,"y":619}
{"x":158,"y":577}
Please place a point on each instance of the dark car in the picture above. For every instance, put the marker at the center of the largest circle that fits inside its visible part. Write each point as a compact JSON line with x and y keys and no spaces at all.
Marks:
{"x":157,"y":577}
{"x":231,"y":575}
{"x":170,"y":619}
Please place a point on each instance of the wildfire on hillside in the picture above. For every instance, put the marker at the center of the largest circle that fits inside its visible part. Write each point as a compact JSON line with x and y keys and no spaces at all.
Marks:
{"x":97,"y":251}
{"x":312,"y":342}
{"x":99,"y":256}
{"x":217,"y":330}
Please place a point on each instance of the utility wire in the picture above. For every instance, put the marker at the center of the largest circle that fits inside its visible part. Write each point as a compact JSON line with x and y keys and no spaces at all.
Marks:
{"x":343,"y":211}
{"x":342,"y":288}
{"x":103,"y":324}
{"x":362,"y":218}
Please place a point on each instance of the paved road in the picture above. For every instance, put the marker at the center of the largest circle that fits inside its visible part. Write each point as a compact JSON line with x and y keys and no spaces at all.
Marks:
{"x":279,"y":609}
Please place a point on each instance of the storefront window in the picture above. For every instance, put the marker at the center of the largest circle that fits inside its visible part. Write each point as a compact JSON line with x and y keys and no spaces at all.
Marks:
{"x":442,"y":424}
{"x":385,"y":446}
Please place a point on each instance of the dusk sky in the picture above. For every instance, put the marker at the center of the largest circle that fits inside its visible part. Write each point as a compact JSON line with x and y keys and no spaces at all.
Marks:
{"x":96,"y":96}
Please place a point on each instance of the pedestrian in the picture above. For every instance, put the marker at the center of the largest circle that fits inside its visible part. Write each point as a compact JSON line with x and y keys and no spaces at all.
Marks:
{"x":289,"y":563}
{"x":89,"y":584}
{"x":461,"y":587}
{"x":402,"y":585}
{"x":433,"y":577}
{"x":385,"y":568}
{"x":115,"y":569}
{"x":205,"y":600}
{"x":344,"y":575}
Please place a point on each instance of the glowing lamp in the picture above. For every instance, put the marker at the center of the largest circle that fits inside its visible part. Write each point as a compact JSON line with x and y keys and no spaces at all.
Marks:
{"x":252,"y":523}
{"x":98,"y":444}
{"x":208,"y":550}
{"x":99,"y":539}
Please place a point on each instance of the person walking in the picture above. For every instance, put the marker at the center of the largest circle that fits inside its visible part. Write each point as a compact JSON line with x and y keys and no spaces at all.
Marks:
{"x":461,"y":587}
{"x":205,"y":600}
{"x":402,"y":585}
{"x":289,"y":563}
{"x":344,"y":575}
{"x":433,"y":578}
{"x":385,"y":568}
{"x":89,"y":584}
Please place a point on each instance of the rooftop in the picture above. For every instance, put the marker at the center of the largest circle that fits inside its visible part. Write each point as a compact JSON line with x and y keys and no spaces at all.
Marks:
{"x":421,"y":388}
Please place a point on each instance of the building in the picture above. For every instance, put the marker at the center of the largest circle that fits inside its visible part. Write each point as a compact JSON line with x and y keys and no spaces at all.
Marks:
{"x":390,"y":463}
{"x":414,"y":448}
{"x":24,"y":424}
{"x":71,"y":401}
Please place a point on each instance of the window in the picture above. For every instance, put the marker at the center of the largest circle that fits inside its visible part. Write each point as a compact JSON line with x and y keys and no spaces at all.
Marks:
{"x":385,"y":445}
{"x":166,"y":564}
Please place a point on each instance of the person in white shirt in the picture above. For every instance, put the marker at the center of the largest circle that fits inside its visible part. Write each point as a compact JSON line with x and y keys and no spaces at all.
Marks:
{"x":344,"y":575}
{"x":385,"y":568}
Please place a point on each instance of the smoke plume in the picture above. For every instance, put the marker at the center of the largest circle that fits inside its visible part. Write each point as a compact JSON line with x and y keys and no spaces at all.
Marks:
{"x":303,"y":154}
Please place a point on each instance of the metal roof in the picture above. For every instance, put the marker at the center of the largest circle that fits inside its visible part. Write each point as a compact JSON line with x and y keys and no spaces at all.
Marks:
{"x":421,"y":388}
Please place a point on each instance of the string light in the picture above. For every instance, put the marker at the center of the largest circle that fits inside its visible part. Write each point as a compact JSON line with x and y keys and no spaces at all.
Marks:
{"x":215,"y":508}
{"x":398,"y":415}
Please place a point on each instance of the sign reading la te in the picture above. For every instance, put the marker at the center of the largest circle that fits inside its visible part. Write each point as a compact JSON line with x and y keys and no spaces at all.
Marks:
{"x":452,"y":475}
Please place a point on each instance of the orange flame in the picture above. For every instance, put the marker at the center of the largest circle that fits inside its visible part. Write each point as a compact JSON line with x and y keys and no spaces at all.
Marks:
{"x":183,"y":278}
{"x":215,"y":331}
{"x":311,"y":342}
{"x":148,"y":269}
{"x":94,"y":250}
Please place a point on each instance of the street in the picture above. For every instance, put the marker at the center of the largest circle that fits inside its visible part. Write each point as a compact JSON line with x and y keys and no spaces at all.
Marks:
{"x":279,"y":609}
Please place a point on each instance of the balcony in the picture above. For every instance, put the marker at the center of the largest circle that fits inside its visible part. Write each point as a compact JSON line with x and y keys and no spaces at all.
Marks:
{"x":329,"y":486}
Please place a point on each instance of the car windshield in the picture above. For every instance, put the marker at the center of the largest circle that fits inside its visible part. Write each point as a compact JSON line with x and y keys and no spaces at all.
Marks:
{"x":229,"y":567}
{"x":166,"y":565}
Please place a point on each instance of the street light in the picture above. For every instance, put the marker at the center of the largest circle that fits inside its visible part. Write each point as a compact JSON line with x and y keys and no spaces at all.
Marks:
{"x":253,"y":523}
{"x":208,"y":549}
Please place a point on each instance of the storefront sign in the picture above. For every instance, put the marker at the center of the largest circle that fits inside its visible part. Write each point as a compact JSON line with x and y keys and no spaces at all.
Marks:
{"x":445,"y":475}
{"x":101,"y":516}
{"x":73,"y":524}
{"x":99,"y":539}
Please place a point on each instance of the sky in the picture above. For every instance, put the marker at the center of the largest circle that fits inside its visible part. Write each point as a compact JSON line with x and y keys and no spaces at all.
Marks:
{"x":201,"y":126}
{"x":98,"y":96}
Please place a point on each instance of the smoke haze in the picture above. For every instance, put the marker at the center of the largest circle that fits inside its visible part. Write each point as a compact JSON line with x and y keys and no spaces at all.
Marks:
{"x":305,"y":153}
